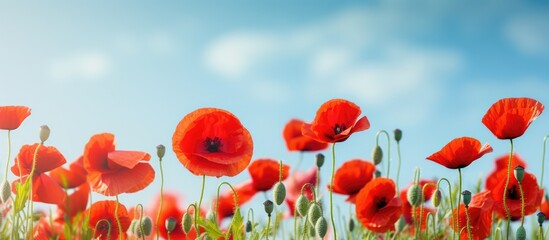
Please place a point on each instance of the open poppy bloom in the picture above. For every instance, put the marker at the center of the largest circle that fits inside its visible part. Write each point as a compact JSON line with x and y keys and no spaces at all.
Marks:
{"x":500,"y":172}
{"x":106,"y":210}
{"x":335,"y":121}
{"x":112,"y":172}
{"x":352,"y":176}
{"x":509,"y":118}
{"x":296,"y":141}
{"x":212,"y":142}
{"x":295,"y":183}
{"x":226,"y":207}
{"x":44,"y":188}
{"x":407,"y":207}
{"x":11,"y":117}
{"x":265,"y":173}
{"x":532,"y":195}
{"x":480,"y":216}
{"x":75,"y":202}
{"x":72,"y":177}
{"x":377,"y":208}
{"x":171,"y":208}
{"x":460,"y":152}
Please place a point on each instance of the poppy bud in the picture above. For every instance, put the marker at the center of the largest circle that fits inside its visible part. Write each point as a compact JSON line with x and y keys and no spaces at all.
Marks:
{"x":521,"y":233}
{"x":160,"y":151}
{"x":133,"y":227}
{"x":146,"y":225}
{"x":268,"y":205}
{"x":320,"y":160}
{"x":312,"y":231}
{"x":187,"y":223}
{"x":541,"y":218}
{"x":302,"y":205}
{"x":279,"y":193}
{"x":248,"y":226}
{"x":400,"y":224}
{"x":437,"y":196}
{"x":377,"y":155}
{"x":351,"y":225}
{"x":321,"y":227}
{"x":6,"y":191}
{"x":398,"y":135}
{"x":519,"y":173}
{"x":44,"y":133}
{"x":211,"y":217}
{"x":466,"y":197}
{"x":414,"y":195}
{"x":170,"y":224}
{"x":314,"y":213}
{"x":377,"y":173}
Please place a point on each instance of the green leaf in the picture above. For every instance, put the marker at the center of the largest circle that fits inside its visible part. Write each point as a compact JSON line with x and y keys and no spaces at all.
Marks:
{"x":211,"y":228}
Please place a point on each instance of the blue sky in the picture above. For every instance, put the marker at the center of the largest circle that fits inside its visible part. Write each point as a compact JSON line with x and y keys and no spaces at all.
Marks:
{"x":135,"y":69}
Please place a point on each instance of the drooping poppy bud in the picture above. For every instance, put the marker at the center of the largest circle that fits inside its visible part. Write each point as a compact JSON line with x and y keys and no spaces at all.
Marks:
{"x":321,"y":227}
{"x":314,"y":213}
{"x":44,"y":133}
{"x":521,"y":233}
{"x":146,"y":224}
{"x":437,"y":197}
{"x":414,"y":195}
{"x":6,"y":191}
{"x":187,"y":223}
{"x":302,"y":205}
{"x":351,"y":225}
{"x":279,"y":193}
{"x":249,"y":226}
{"x":377,"y":155}
{"x":320,"y":160}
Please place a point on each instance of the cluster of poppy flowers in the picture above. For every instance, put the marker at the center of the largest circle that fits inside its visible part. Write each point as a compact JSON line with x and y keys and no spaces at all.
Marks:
{"x":213,"y":142}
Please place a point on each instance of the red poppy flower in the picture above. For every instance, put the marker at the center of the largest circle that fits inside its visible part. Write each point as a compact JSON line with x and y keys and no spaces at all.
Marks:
{"x":265,"y":173}
{"x":509,"y":118}
{"x":296,"y":141}
{"x":112,"y":172}
{"x":72,"y":177}
{"x":544,"y":208}
{"x":335,"y":121}
{"x":460,"y":152}
{"x":500,"y":172}
{"x":532,"y":195}
{"x":106,"y":210}
{"x":171,"y":208}
{"x":480,"y":216}
{"x":377,"y":208}
{"x":44,"y":188}
{"x":407,"y":207}
{"x":294,"y":184}
{"x":245,"y":192}
{"x":76,"y":202}
{"x":352,"y":176}
{"x":212,"y":142}
{"x":44,"y":231}
{"x":11,"y":117}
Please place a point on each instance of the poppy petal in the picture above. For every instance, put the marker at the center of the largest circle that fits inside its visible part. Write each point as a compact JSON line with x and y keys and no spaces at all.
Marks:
{"x":11,"y":117}
{"x":122,"y":181}
{"x":128,"y":159}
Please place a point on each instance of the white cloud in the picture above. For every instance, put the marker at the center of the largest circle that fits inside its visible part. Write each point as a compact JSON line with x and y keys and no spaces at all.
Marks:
{"x":529,"y":33}
{"x":83,"y":66}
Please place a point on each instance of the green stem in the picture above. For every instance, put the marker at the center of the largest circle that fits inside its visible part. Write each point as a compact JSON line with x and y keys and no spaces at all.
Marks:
{"x":161,"y":204}
{"x":295,"y":222}
{"x":142,"y":231}
{"x":120,"y":233}
{"x":388,"y":149}
{"x":197,"y":210}
{"x":9,"y":156}
{"x":521,"y":205}
{"x":540,"y":233}
{"x":253,"y":219}
{"x":507,"y":212}
{"x":398,"y":167}
{"x":108,"y":229}
{"x":217,"y":198}
{"x":543,"y":160}
{"x":268,"y":223}
{"x":451,"y":202}
{"x":459,"y":198}
{"x":29,"y":179}
{"x":468,"y":228}
{"x":331,"y":193}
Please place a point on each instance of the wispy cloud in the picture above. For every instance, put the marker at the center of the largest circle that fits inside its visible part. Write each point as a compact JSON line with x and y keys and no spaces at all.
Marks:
{"x":529,"y":33}
{"x":82,"y":66}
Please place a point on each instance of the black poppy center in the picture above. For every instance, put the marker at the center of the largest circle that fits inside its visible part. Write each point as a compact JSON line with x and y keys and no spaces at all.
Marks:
{"x":339,"y":128}
{"x":212,"y":145}
{"x":103,"y":226}
{"x":513,"y":193}
{"x":381,"y":203}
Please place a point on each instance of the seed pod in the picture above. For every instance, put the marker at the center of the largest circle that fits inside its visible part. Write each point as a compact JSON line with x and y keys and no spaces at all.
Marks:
{"x":320,"y":160}
{"x":521,"y":233}
{"x":170,"y":224}
{"x":314,"y":213}
{"x":302,"y":205}
{"x":279,"y":193}
{"x":186,"y":223}
{"x":268,"y":205}
{"x":6,"y":191}
{"x":44,"y":133}
{"x":351,"y":225}
{"x":414,"y":195}
{"x":321,"y":227}
{"x":437,"y":197}
{"x":377,"y":155}
{"x":398,"y":135}
{"x":541,"y":218}
{"x":519,"y":173}
{"x":466,"y":197}
{"x":249,"y":226}
{"x":160,"y":151}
